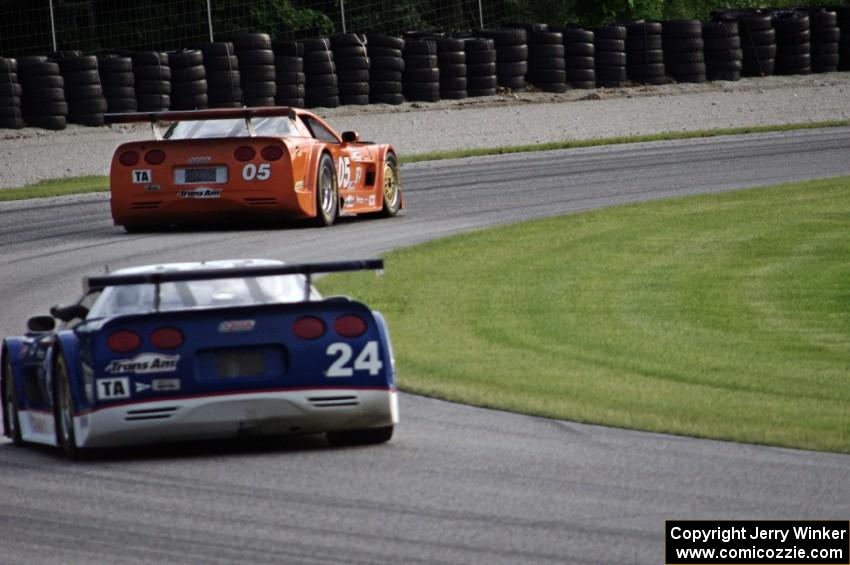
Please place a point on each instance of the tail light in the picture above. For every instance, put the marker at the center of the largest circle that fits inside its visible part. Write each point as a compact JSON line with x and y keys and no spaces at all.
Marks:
{"x":123,"y":341}
{"x":128,"y":158}
{"x":271,"y":152}
{"x":308,"y":327}
{"x":244,"y":153}
{"x":350,"y":325}
{"x":167,"y":338}
{"x":154,"y":157}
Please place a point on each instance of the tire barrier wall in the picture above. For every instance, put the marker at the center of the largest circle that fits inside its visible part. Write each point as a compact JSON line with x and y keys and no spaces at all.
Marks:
{"x":358,"y":69}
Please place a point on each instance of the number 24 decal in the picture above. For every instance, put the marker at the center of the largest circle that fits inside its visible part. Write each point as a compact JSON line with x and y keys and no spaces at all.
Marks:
{"x":367,"y":360}
{"x":252,"y":171}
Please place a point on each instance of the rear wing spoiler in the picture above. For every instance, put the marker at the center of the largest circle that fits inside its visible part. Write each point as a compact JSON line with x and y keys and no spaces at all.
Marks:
{"x":212,"y":114}
{"x":306,"y":269}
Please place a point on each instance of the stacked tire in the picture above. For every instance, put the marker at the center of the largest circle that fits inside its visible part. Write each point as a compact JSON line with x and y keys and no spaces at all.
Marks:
{"x":511,"y":56}
{"x":723,"y":55}
{"x":83,"y":90}
{"x":153,"y":80}
{"x":387,"y":68}
{"x":118,"y":82}
{"x":421,"y":80}
{"x":451,"y":59}
{"x":610,"y":55}
{"x":546,"y":62}
{"x":43,"y":103}
{"x":758,"y":40}
{"x":289,"y":73}
{"x":11,"y":116}
{"x":645,"y":53}
{"x":352,"y":68}
{"x":843,"y":13}
{"x":579,"y":57}
{"x":683,"y":50}
{"x":224,"y":81}
{"x":481,"y":79}
{"x":825,"y":39}
{"x":256,"y":67}
{"x":793,"y":42}
{"x":321,"y":85}
{"x":188,"y":80}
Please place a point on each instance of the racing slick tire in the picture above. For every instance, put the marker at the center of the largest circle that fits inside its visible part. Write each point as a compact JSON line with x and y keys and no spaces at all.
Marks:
{"x":369,"y":436}
{"x":11,"y":420}
{"x":327,"y":197}
{"x":392,"y":187}
{"x":63,"y":410}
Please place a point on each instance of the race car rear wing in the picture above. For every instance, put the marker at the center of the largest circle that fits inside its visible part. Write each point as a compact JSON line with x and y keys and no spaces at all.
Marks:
{"x":306,"y":269}
{"x":212,"y":114}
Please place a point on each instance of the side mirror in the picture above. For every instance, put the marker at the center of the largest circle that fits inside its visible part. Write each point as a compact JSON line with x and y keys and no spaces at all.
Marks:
{"x":40,"y":324}
{"x":350,"y":137}
{"x":70,"y":312}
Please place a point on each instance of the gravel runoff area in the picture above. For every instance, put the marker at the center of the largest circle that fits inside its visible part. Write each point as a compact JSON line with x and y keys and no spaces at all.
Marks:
{"x":30,"y":155}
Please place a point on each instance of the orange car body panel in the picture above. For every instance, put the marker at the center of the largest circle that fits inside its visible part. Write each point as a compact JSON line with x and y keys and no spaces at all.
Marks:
{"x":203,"y":181}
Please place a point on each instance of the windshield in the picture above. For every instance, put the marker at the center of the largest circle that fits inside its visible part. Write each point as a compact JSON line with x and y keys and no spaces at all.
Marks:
{"x":277,"y":126}
{"x":139,"y":298}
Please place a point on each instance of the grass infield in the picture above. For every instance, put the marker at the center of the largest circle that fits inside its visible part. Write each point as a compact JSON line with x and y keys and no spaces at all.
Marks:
{"x":79,"y":185}
{"x":722,"y":316}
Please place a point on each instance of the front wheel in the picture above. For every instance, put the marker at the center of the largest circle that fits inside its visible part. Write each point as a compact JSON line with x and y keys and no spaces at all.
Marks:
{"x":64,"y":410}
{"x":392,"y":186}
{"x":327,"y":201}
{"x":370,"y":436}
{"x":11,"y":419}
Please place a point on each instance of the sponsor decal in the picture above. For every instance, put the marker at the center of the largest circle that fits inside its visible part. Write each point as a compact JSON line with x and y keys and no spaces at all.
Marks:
{"x":199,"y":193}
{"x":141,"y":387}
{"x":349,"y":201}
{"x":37,"y":424}
{"x":299,"y":185}
{"x":198,"y":160}
{"x":144,"y":363}
{"x":111,"y":389}
{"x":233,"y":326}
{"x":165,"y":385}
{"x":358,"y":173}
{"x":361,"y":200}
{"x":355,"y":156}
{"x":152,"y":187}
{"x":141,"y":176}
{"x":372,"y":200}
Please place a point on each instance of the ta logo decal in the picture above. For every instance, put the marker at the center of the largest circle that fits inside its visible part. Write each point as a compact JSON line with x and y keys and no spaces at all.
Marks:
{"x":111,"y":389}
{"x":142,"y":176}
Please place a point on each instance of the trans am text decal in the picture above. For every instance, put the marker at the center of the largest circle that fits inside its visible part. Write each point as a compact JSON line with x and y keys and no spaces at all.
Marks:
{"x":144,"y":363}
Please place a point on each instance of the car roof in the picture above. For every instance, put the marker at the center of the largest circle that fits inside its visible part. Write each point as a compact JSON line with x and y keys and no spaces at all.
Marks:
{"x":197,"y":265}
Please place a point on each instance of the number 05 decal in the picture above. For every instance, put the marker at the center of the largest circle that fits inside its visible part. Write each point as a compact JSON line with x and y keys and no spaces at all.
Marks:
{"x":252,"y":171}
{"x":367,"y":360}
{"x":343,"y":173}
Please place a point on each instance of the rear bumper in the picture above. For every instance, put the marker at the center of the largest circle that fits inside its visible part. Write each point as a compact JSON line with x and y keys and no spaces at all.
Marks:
{"x":229,"y":415}
{"x":228,"y":205}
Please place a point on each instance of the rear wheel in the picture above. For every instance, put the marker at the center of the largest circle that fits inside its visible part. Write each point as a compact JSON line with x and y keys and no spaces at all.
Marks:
{"x":327,"y":201}
{"x":64,"y":410}
{"x":11,"y":420}
{"x":369,"y":436}
{"x":392,"y":186}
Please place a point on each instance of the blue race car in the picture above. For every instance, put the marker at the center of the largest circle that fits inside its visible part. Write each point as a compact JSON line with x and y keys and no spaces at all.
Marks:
{"x":201,"y":350}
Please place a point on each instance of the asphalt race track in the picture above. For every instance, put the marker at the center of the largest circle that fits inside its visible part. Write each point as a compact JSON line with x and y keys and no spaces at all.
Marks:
{"x":457,"y":484}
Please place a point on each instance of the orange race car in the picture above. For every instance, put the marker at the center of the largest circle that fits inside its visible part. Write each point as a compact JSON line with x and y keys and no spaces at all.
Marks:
{"x":229,"y":164}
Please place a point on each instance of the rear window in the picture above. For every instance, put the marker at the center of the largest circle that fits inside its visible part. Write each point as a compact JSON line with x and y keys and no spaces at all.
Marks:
{"x":139,"y":298}
{"x":277,"y":126}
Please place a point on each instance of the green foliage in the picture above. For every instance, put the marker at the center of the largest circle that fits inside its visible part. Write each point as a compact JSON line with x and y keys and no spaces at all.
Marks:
{"x":279,"y":18}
